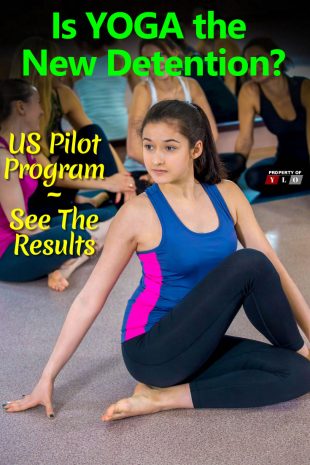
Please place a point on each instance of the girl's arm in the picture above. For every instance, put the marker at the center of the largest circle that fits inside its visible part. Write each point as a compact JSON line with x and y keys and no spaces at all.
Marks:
{"x":11,"y":195}
{"x":232,"y":50}
{"x":198,"y":97}
{"x":140,"y":103}
{"x":131,"y":77}
{"x":133,"y":80}
{"x":122,"y":170}
{"x":120,"y":166}
{"x":251,"y":235}
{"x":247,"y":103}
{"x":305,"y":100}
{"x":72,"y":107}
{"x":119,"y":246}
{"x":119,"y":182}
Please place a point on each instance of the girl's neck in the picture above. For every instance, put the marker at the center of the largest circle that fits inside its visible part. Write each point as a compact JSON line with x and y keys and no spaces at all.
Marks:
{"x":167,"y":84}
{"x":275,"y":85}
{"x":184,"y":189}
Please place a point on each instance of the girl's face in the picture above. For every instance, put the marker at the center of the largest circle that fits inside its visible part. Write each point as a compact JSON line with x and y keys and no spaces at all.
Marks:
{"x":167,"y":155}
{"x":32,"y":112}
{"x":256,"y":51}
{"x":148,"y":51}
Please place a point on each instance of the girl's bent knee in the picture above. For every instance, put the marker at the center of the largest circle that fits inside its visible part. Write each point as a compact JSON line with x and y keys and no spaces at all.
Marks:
{"x":252,"y":264}
{"x":250,"y":258}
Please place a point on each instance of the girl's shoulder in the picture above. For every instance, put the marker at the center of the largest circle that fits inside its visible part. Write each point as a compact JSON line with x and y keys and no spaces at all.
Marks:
{"x":5,"y":156}
{"x":249,"y":98}
{"x":189,"y":81}
{"x":137,"y":207}
{"x":141,"y":99}
{"x":136,"y":216}
{"x":230,"y":192}
{"x":142,"y":87}
{"x":249,"y":89}
{"x":5,"y":153}
{"x":193,"y":85}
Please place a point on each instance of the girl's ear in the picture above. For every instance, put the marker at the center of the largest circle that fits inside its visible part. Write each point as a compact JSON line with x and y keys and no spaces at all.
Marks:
{"x":20,"y":107}
{"x":197,"y":150}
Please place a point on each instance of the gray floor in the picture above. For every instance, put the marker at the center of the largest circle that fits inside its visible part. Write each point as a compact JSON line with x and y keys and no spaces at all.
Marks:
{"x":31,"y":317}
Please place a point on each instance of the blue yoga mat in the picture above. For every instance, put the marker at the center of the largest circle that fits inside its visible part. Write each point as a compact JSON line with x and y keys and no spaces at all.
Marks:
{"x":90,"y":193}
{"x":256,"y":197}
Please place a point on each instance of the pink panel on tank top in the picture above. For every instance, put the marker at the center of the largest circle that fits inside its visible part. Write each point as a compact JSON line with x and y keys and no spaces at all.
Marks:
{"x":146,"y":301}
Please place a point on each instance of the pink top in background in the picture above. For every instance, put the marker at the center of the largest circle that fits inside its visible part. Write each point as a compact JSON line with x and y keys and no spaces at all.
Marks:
{"x":28,"y":186}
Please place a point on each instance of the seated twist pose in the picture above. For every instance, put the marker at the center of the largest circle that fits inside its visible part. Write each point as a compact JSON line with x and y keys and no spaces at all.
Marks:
{"x":184,"y":229}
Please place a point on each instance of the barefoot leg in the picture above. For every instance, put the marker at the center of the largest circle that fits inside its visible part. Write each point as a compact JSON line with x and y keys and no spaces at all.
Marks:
{"x":96,"y":201}
{"x":82,"y":199}
{"x":100,"y":233}
{"x":58,"y":279}
{"x":146,"y":400}
{"x":69,"y":266}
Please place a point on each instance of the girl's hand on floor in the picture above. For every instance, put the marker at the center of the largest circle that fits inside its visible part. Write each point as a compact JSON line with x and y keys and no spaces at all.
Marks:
{"x":41,"y":395}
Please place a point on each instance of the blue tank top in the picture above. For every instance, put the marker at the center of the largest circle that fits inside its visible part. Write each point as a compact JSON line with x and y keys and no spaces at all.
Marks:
{"x":181,"y":260}
{"x":292,"y":136}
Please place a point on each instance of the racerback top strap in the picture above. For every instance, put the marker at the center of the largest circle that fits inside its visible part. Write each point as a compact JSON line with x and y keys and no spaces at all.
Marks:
{"x":154,"y":98}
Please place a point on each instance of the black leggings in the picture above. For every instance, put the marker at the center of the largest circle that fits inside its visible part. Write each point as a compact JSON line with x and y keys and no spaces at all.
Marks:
{"x":189,"y":344}
{"x":234,"y":164}
{"x":256,"y":175}
{"x":23,"y":268}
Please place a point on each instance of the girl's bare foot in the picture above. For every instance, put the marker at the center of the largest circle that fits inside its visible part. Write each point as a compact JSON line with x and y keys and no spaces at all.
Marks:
{"x":146,"y":400}
{"x":57,"y":281}
{"x":69,"y":266}
{"x":95,"y":201}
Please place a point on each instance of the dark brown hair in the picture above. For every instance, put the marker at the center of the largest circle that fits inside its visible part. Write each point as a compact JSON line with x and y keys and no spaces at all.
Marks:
{"x":167,"y":45}
{"x":12,"y":90}
{"x":267,"y":44}
{"x":194,"y":125}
